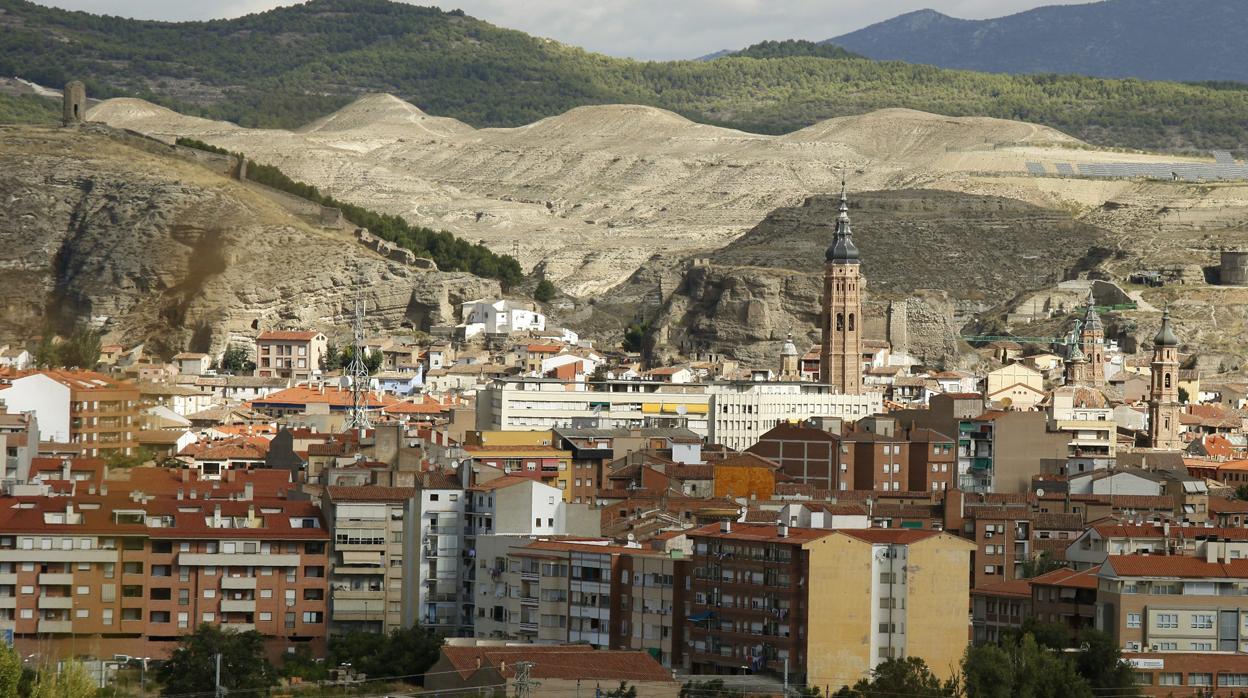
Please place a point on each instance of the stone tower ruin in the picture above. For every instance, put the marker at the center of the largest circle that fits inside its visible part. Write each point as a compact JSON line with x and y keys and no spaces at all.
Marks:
{"x":74,"y":101}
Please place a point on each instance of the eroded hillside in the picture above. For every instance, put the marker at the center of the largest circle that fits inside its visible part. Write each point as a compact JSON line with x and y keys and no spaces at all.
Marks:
{"x":157,"y":249}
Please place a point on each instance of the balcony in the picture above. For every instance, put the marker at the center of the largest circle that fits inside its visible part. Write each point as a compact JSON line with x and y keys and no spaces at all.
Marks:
{"x":237,"y":560}
{"x":359,"y":595}
{"x":56,"y":626}
{"x":244,"y":606}
{"x":528,"y":600}
{"x":8,"y":578}
{"x":528,"y":627}
{"x":244,"y":583}
{"x":56,"y":578}
{"x":238,"y":627}
{"x":8,"y":602}
{"x":58,"y":556}
{"x":61,"y":602}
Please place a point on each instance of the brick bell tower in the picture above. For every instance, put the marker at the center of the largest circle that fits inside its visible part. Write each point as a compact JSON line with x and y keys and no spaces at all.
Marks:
{"x":840,"y":357}
{"x":1163,"y":399}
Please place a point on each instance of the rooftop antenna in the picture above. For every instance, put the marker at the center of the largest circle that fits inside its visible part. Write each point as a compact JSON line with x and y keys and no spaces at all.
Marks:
{"x":357,"y":369}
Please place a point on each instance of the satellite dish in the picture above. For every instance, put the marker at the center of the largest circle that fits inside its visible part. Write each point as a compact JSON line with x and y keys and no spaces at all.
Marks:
{"x":1040,"y":492}
{"x":455,"y":464}
{"x":682,"y":410}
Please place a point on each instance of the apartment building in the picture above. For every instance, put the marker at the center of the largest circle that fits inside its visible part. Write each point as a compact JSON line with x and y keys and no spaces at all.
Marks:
{"x":1065,"y":596}
{"x":292,"y":355}
{"x":85,"y":408}
{"x":551,"y":466}
{"x":1000,"y":451}
{"x":372,"y":554}
{"x":998,"y":609}
{"x":442,"y":556}
{"x":745,"y":410}
{"x":19,"y":442}
{"x":106,"y":574}
{"x":1171,"y":603}
{"x":753,"y":610}
{"x":1094,"y":545}
{"x":1087,"y":420}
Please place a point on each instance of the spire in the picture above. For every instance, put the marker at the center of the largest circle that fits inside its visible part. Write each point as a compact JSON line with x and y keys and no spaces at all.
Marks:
{"x":1092,"y":321}
{"x":1165,"y":336}
{"x":843,"y":250}
{"x":789,"y":348}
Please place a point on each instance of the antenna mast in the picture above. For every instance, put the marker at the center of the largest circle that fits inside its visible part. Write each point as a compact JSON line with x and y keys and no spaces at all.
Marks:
{"x":358,"y":370}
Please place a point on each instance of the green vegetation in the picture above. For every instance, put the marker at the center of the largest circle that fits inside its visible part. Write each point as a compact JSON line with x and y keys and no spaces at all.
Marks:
{"x":288,"y":66}
{"x":711,"y":688}
{"x":10,"y":670}
{"x":80,"y":350}
{"x":237,"y":359}
{"x":372,"y":360}
{"x":200,"y":145}
{"x":447,"y":251}
{"x":907,"y":676}
{"x":192,"y":666}
{"x":545,"y":291}
{"x":793,"y":47}
{"x":29,"y":109}
{"x":402,"y":653}
{"x":69,"y":680}
{"x":635,"y":336}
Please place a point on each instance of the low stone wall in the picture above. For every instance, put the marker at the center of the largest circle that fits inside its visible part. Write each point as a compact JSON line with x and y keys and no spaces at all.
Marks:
{"x":393,"y":252}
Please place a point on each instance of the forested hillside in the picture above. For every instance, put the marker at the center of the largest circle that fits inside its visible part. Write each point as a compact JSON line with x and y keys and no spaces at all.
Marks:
{"x":290,"y":65}
{"x":1190,"y":40}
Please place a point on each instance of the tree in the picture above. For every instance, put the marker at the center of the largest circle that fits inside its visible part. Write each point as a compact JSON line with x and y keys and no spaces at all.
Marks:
{"x":192,"y":666}
{"x":624,"y":691}
{"x":1038,"y":565}
{"x":1241,"y":493}
{"x":1183,"y":395}
{"x":302,"y":664}
{"x":71,"y":680}
{"x":236,"y":359}
{"x":331,"y":360}
{"x":372,"y":359}
{"x":80,"y":350}
{"x":545,"y":291}
{"x":601,"y":374}
{"x":10,"y":670}
{"x":1021,"y":669}
{"x":404,"y":651}
{"x":1100,"y":663}
{"x":635,"y":336}
{"x":715,"y":688}
{"x":908,"y":676}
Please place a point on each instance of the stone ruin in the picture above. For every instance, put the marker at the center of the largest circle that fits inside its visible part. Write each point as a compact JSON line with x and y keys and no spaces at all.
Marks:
{"x":391,"y":251}
{"x":331,"y":217}
{"x":74,"y":103}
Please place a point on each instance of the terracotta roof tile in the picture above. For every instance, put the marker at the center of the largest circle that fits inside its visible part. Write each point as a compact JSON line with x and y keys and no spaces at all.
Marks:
{"x":369,"y":493}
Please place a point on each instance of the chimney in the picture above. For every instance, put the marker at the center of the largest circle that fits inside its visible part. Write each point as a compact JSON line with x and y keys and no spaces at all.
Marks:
{"x":185,"y":474}
{"x":194,"y":494}
{"x":248,"y":491}
{"x":216,"y":516}
{"x":180,"y":494}
{"x":251,"y":516}
{"x":103,"y":489}
{"x":782,"y":529}
{"x":65,"y":469}
{"x":90,"y":489}
{"x":69,"y":512}
{"x":725,"y":526}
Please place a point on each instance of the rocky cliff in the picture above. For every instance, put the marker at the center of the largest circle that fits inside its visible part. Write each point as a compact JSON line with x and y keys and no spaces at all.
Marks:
{"x":154,"y":248}
{"x":745,"y":298}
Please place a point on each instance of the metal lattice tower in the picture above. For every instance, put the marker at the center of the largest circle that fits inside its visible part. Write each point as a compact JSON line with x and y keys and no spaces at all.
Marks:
{"x":357,"y":370}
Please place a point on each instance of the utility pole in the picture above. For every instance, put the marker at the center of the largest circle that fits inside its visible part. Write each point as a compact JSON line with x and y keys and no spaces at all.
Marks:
{"x":786,"y":678}
{"x":358,"y":370}
{"x":524,"y":684}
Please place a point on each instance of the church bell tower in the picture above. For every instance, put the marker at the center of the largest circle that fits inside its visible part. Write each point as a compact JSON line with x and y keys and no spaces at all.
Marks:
{"x":840,"y":357}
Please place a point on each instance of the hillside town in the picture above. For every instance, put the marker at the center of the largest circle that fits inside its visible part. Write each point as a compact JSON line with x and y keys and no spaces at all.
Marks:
{"x":533,"y":498}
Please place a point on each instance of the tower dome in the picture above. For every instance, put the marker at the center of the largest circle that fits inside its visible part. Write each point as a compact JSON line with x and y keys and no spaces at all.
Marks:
{"x":1165,"y":336}
{"x":843,"y":250}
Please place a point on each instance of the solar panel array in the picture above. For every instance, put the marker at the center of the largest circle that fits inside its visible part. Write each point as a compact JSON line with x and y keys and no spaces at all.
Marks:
{"x":1064,"y":168}
{"x":1223,"y":157}
{"x":1035,"y":168}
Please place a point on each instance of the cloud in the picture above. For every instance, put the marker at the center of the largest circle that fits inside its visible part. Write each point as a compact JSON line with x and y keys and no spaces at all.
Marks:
{"x":644,"y":29}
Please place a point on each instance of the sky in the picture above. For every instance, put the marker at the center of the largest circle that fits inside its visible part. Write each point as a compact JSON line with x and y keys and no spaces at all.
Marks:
{"x":643,"y":29}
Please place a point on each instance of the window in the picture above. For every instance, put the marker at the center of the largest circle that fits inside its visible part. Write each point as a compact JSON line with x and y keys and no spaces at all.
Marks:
{"x":537,"y":522}
{"x":132,"y":568}
{"x":1170,"y":679}
{"x":1143,"y":678}
{"x":1202,"y":646}
{"x":1202,"y":621}
{"x":160,"y":594}
{"x":107,"y":616}
{"x":210,"y":617}
{"x":210,"y":593}
{"x":1200,"y":679}
{"x":265,"y":616}
{"x":312,"y":616}
{"x":1133,"y":620}
{"x":132,"y":591}
{"x":1232,"y":680}
{"x":1167,"y":620}
{"x":433,"y":497}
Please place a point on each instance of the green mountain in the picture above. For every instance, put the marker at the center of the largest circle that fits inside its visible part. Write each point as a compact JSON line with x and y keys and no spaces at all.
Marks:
{"x":1192,"y":40}
{"x":288,"y":66}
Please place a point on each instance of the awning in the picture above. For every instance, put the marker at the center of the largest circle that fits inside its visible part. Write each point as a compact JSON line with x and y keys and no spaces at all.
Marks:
{"x":650,"y":408}
{"x":361,"y":558}
{"x":699,"y":617}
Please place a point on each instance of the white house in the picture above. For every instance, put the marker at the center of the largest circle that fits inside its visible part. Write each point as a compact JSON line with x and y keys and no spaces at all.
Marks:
{"x":47,"y":398}
{"x":442,"y":501}
{"x":15,"y":358}
{"x":499,"y":317}
{"x":192,"y":363}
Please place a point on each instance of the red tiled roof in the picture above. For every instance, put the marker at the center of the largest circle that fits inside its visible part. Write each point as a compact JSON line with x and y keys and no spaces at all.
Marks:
{"x":1172,"y":566}
{"x":761,"y":533}
{"x":559,"y":662}
{"x":1066,"y":577}
{"x":285,"y":336}
{"x":544,"y":348}
{"x":499,"y":483}
{"x":369,"y":493}
{"x":1014,"y":587}
{"x":746,"y":459}
{"x":893,"y":536}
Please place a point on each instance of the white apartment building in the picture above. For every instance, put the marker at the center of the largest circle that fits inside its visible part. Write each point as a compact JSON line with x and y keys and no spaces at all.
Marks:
{"x":1084,"y":414}
{"x":499,"y":317}
{"x":744,"y":411}
{"x":538,"y":404}
{"x":441,"y":555}
{"x":734,"y":414}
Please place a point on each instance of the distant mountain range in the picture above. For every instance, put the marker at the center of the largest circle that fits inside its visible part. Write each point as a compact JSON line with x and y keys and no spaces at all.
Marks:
{"x":291,"y":65}
{"x":1183,"y":40}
